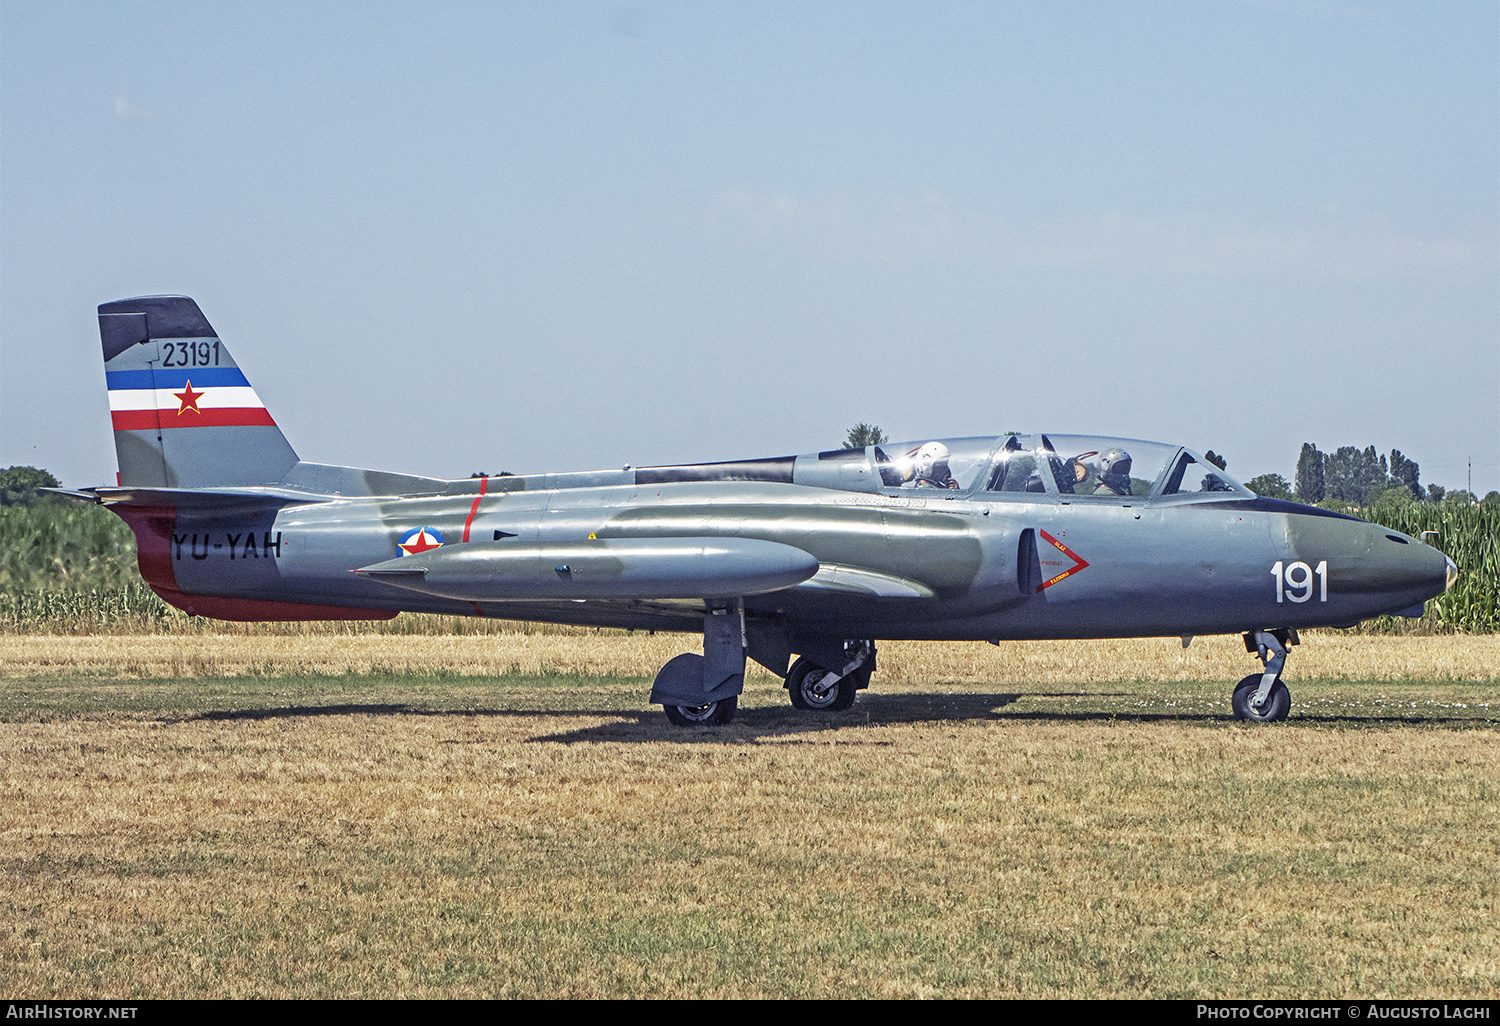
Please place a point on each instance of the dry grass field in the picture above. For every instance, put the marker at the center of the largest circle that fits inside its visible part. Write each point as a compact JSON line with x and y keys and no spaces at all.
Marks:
{"x":1326,"y":656}
{"x":502,"y":815}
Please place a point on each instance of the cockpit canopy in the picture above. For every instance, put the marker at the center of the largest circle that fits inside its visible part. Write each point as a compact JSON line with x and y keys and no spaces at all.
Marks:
{"x":1064,"y":466}
{"x":1035,"y":467}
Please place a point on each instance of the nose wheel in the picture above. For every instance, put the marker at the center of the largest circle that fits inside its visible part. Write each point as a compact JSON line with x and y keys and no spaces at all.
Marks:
{"x":1262,"y":697}
{"x":1274,"y":709}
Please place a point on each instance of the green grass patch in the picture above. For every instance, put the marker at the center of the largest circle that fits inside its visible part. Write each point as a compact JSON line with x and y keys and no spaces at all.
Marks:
{"x":1341,"y":703}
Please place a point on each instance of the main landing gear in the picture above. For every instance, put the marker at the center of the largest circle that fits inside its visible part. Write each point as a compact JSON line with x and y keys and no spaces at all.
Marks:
{"x":704,"y":690}
{"x":813,"y":686}
{"x":1261,"y":697}
{"x":713,"y":714}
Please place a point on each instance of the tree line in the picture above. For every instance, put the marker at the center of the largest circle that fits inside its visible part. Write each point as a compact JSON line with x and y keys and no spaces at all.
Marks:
{"x":1351,"y":476}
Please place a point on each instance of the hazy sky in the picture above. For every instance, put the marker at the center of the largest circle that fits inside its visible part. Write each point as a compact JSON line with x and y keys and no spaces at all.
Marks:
{"x":557,"y":236}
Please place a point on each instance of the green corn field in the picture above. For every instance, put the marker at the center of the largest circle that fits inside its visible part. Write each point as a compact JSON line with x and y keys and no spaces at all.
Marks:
{"x":69,"y":568}
{"x":57,"y":545}
{"x":1470,"y":536}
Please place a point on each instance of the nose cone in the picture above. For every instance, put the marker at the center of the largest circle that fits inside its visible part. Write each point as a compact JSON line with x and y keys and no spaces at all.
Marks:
{"x":1372,"y":570}
{"x":1401,"y":572}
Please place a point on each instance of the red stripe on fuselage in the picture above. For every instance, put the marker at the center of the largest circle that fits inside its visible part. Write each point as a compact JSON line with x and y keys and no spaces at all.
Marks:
{"x":151,"y":420}
{"x":484,"y":484}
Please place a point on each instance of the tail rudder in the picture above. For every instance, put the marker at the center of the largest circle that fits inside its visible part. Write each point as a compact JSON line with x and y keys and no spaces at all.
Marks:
{"x":184,"y":414}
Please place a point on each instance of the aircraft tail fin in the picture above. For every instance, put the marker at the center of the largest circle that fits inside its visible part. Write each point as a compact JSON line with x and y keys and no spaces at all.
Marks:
{"x":184,"y":414}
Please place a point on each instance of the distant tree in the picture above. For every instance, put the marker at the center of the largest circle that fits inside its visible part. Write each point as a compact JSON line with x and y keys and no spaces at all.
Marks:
{"x":1374,"y":474}
{"x":1435,"y":493}
{"x":1272,"y":486}
{"x":1216,"y":460}
{"x":1310,"y":486}
{"x":1459,"y":497}
{"x":1340,"y":475}
{"x":1350,"y":474}
{"x":18,"y":485}
{"x":862,"y":434}
{"x":1407,"y":473}
{"x":1491,"y":499}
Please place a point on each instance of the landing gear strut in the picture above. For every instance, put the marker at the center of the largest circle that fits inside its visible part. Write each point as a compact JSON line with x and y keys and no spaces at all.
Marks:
{"x":1261,"y":697}
{"x":813,"y":686}
{"x":704,"y":690}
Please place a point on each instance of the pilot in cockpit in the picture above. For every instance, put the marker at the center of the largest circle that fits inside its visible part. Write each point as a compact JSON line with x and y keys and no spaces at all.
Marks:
{"x":1114,"y":473}
{"x":1078,"y":473}
{"x":926,"y":467}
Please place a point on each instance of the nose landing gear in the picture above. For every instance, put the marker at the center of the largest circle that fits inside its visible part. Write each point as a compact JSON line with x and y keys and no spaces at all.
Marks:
{"x":1262,"y":697}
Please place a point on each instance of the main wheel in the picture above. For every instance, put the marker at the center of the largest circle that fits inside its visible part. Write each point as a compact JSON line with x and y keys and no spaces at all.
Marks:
{"x":714,"y":714}
{"x":1278,"y":703}
{"x":805,"y":685}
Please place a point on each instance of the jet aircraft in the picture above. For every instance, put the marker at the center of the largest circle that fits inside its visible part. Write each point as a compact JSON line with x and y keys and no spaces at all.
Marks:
{"x":801,"y":563}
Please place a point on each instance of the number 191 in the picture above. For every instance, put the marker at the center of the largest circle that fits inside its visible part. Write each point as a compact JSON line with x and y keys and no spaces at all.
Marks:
{"x":1295,"y":582}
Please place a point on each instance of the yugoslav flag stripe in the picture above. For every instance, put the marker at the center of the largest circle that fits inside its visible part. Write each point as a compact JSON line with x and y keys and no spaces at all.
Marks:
{"x":147,"y":420}
{"x":201,"y":377}
{"x":169,"y":401}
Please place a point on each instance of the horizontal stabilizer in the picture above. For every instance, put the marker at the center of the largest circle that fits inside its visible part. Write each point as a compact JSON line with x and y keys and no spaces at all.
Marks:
{"x":86,"y":494}
{"x":197,"y":498}
{"x":602,"y":568}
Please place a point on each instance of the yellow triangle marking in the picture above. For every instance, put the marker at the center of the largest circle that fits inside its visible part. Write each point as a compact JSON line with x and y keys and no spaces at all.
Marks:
{"x":593,"y":536}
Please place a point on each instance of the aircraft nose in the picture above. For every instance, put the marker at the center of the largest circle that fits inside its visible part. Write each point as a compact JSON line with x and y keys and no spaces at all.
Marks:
{"x":1404,"y":567}
{"x":1375,"y":569}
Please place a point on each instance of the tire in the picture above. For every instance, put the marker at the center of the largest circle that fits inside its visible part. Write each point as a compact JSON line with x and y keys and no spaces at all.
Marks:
{"x":714,"y":714}
{"x":802,"y":684}
{"x":1278,"y":703}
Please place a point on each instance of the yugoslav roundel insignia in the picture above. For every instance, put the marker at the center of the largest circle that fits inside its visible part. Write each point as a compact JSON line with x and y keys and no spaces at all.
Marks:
{"x":421,"y":539}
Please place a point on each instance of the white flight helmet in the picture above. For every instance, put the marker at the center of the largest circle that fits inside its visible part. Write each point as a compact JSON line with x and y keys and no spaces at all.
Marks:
{"x":925,"y":457}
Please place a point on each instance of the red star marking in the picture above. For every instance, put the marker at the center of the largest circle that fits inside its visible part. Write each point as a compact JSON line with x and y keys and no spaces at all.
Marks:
{"x":1079,"y":563}
{"x":421,"y":543}
{"x":189,"y":400}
